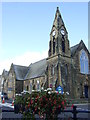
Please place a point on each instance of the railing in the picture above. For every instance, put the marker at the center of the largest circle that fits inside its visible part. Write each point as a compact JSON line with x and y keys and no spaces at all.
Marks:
{"x":74,"y":111}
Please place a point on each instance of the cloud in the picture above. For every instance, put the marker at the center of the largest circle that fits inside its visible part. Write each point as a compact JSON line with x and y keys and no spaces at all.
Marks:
{"x":26,"y":59}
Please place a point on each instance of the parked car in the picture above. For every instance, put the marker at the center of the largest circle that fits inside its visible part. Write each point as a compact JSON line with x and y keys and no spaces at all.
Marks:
{"x":3,"y":94}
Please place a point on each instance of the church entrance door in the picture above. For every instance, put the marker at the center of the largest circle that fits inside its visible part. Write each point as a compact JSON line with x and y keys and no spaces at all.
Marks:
{"x":86,"y":91}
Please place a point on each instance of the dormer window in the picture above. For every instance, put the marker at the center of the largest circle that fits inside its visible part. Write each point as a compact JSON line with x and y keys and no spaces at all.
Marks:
{"x":83,"y":62}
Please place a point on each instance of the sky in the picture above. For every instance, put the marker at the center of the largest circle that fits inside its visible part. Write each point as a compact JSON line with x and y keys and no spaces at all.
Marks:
{"x":26,"y":28}
{"x":89,"y":26}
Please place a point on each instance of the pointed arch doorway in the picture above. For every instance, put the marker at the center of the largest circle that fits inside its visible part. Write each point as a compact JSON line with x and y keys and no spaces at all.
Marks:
{"x":86,"y":91}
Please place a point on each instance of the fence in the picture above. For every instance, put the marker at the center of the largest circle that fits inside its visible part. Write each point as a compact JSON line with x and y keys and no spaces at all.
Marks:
{"x":74,"y":112}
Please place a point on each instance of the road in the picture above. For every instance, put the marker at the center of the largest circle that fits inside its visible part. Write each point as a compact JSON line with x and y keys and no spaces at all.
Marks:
{"x":8,"y":106}
{"x":84,"y":107}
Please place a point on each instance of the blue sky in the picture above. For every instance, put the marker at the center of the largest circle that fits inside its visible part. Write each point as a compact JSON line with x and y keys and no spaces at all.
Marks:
{"x":26,"y":28}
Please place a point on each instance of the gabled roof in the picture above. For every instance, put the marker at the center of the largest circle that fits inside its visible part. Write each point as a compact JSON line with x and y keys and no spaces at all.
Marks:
{"x":20,"y":71}
{"x":37,"y":69}
{"x":73,"y":49}
{"x":78,"y":46}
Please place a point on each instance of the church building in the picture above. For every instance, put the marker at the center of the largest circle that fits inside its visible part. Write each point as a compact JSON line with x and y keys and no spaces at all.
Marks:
{"x":66,"y":66}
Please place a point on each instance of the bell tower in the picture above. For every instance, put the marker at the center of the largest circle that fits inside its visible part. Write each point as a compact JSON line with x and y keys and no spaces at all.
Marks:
{"x":59,"y":55}
{"x":59,"y":43}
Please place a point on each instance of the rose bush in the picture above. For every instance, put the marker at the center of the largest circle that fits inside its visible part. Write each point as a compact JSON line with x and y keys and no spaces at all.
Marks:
{"x":47,"y":104}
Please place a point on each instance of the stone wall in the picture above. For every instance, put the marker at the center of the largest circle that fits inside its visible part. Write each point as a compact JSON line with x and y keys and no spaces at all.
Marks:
{"x":34,"y":84}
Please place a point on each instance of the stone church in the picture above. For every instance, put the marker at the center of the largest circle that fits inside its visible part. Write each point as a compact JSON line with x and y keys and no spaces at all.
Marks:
{"x":66,"y":66}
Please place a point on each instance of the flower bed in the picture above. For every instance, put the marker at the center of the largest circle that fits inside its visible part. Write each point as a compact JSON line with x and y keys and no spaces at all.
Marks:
{"x":47,"y":104}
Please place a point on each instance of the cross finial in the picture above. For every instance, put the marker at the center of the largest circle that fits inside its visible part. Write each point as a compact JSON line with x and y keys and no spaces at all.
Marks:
{"x":57,"y":8}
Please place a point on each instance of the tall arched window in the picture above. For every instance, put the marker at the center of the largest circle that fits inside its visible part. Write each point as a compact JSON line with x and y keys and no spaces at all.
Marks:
{"x":30,"y":87}
{"x":53,"y":45}
{"x":63,"y":44}
{"x":38,"y":85}
{"x":50,"y":48}
{"x":84,"y":62}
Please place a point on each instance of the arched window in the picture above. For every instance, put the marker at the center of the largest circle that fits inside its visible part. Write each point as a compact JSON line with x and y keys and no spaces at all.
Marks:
{"x":50,"y":48}
{"x":53,"y":45}
{"x":38,"y":85}
{"x":30,"y":87}
{"x":66,"y":69}
{"x":27,"y":88}
{"x":84,"y":62}
{"x":52,"y":70}
{"x":63,"y":45}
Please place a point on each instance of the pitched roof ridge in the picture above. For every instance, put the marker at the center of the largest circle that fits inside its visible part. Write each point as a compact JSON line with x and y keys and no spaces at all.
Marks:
{"x":33,"y":64}
{"x":19,"y":65}
{"x":38,"y":61}
{"x":75,"y":45}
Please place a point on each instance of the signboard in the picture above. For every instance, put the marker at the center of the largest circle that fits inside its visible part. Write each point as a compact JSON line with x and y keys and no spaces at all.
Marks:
{"x":59,"y":89}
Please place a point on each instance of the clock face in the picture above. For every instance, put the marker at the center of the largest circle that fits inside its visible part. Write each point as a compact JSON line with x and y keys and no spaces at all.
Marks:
{"x":54,"y":32}
{"x":62,"y":32}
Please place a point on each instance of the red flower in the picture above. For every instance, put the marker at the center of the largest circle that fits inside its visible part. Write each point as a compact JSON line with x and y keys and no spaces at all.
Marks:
{"x":35,"y":108}
{"x":37,"y":97}
{"x":54,"y":101}
{"x":54,"y":108}
{"x":28,"y":105}
{"x":41,"y":99}
{"x":59,"y":106}
{"x":62,"y":102}
{"x":31,"y":101}
{"x":39,"y":112}
{"x":72,"y":106}
{"x":49,"y":98}
{"x":57,"y":92}
{"x":59,"y":98}
{"x":36,"y":100}
{"x":46,"y":99}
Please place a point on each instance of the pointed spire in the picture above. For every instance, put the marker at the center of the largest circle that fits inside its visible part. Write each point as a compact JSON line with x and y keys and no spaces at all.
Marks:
{"x":58,"y":21}
{"x":57,"y":9}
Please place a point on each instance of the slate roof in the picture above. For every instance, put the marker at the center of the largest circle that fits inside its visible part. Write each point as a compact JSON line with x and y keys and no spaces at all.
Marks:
{"x":37,"y":69}
{"x":73,"y":49}
{"x":20,"y":71}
